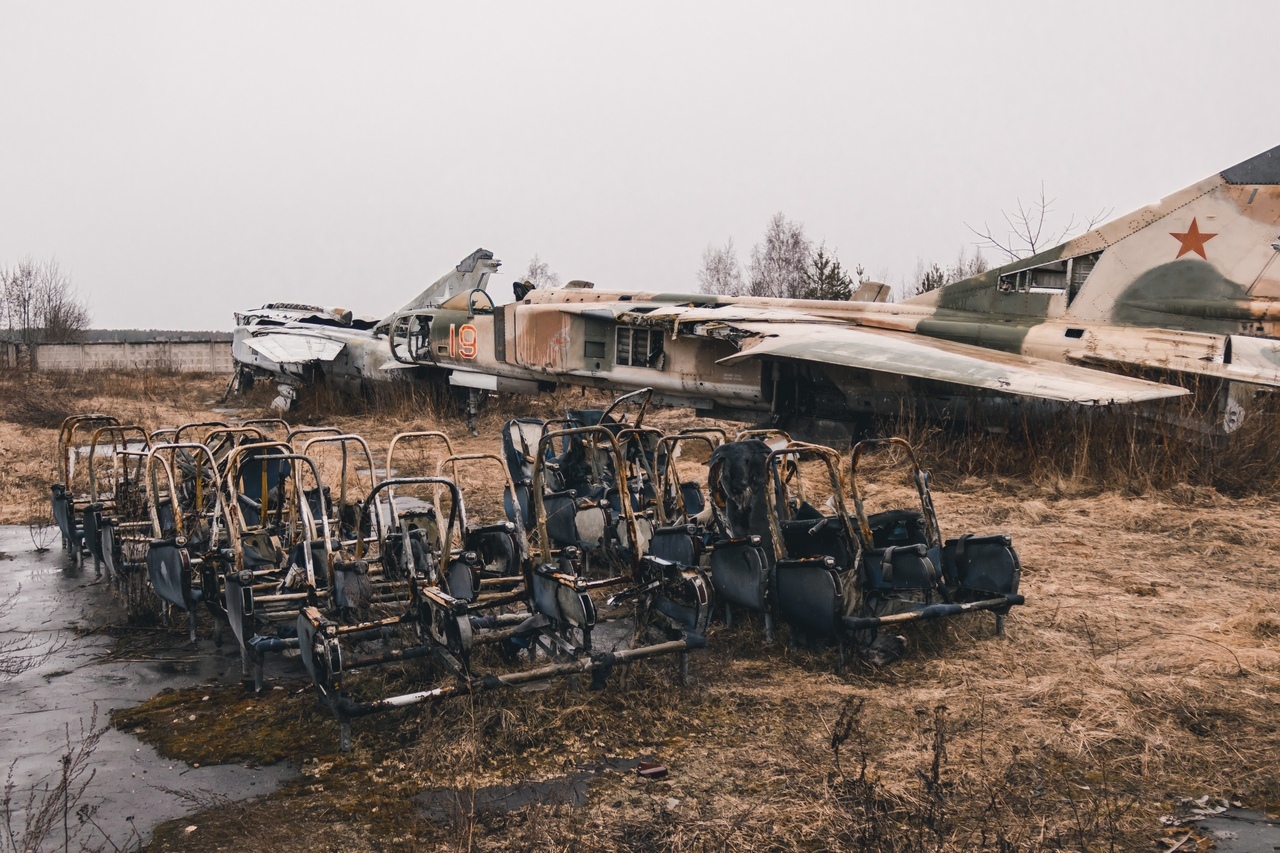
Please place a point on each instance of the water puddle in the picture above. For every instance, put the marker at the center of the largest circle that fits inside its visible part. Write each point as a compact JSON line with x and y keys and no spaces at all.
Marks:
{"x":1241,"y":831}
{"x":133,"y":788}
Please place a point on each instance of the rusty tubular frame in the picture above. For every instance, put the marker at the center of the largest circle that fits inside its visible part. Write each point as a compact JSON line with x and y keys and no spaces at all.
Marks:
{"x":429,"y":436}
{"x":196,"y":425}
{"x":119,"y":434}
{"x":166,"y":454}
{"x":918,"y":475}
{"x":223,"y":433}
{"x":669,"y":476}
{"x":645,"y":393}
{"x":269,"y":424}
{"x":66,"y":503}
{"x":66,"y":440}
{"x":300,"y":514}
{"x":597,"y":661}
{"x":135,"y":527}
{"x":311,"y":431}
{"x":457,"y":515}
{"x":716,"y":497}
{"x":221,"y":440}
{"x":719,"y":435}
{"x":139,"y":469}
{"x":635,"y":438}
{"x":763,"y":434}
{"x":798,"y":452}
{"x":932,"y":611}
{"x":522,"y":539}
{"x":539,"y":483}
{"x":321,"y":641}
{"x":344,"y":441}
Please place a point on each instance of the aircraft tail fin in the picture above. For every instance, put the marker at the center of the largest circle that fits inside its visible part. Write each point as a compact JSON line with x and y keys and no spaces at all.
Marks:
{"x":871,"y":291}
{"x":1183,"y":258}
{"x":471,"y":273}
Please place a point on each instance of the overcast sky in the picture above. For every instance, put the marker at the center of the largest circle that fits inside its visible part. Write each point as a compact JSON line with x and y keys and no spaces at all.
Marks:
{"x":183,"y":160}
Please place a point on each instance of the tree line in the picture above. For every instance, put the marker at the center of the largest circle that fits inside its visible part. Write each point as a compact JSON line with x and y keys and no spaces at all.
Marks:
{"x":785,"y":264}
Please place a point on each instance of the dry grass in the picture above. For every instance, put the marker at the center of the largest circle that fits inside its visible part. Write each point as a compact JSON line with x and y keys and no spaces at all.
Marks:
{"x":1145,"y":668}
{"x":1121,"y":450}
{"x":32,"y":408}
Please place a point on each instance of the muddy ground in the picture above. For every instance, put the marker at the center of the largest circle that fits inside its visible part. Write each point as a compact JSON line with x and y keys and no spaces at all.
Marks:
{"x":1144,"y":670}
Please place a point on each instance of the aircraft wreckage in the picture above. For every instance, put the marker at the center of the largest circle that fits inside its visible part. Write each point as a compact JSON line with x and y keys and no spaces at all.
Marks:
{"x":1184,"y":293}
{"x":601,"y":541}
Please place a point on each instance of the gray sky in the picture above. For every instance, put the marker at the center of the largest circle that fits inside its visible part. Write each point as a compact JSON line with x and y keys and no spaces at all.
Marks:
{"x":184,"y":160}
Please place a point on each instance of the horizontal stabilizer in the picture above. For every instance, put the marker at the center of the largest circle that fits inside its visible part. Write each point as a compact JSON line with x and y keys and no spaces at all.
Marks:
{"x":946,"y":361}
{"x":295,"y":349}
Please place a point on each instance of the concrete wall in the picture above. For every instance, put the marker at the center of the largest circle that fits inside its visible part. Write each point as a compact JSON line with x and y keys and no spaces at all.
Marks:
{"x":182,"y":356}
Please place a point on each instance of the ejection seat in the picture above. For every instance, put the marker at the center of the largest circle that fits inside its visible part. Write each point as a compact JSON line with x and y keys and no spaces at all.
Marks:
{"x":912,"y":574}
{"x":742,"y":552}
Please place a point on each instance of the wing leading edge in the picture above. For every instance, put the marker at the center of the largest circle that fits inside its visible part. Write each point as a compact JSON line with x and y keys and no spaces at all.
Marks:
{"x":295,"y":348}
{"x":946,"y":361}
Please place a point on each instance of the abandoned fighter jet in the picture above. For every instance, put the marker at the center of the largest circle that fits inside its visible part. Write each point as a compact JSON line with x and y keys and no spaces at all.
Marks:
{"x":1183,"y":292}
{"x":297,"y":344}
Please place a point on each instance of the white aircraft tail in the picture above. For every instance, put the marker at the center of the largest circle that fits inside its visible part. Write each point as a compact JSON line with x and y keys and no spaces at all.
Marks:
{"x":471,"y":274}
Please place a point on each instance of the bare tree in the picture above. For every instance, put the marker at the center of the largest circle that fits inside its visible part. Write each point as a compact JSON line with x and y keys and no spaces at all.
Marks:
{"x":933,"y":276}
{"x":721,"y":272}
{"x":1030,"y":229}
{"x":540,"y":275}
{"x":38,"y":304}
{"x":778,"y":265}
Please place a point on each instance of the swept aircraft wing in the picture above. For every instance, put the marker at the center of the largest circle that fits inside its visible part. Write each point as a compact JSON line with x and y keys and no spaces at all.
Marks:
{"x":295,"y":349}
{"x":946,"y":361}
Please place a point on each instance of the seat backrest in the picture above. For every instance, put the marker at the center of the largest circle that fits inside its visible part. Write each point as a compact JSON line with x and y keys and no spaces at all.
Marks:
{"x":738,"y":474}
{"x":170,"y":572}
{"x":562,"y":528}
{"x":694,"y":502}
{"x":903,"y":568}
{"x":592,"y":523}
{"x":519,"y":445}
{"x":461,"y":580}
{"x":497,"y":550}
{"x":830,"y":540}
{"x":260,"y":550}
{"x":810,"y":598}
{"x":897,"y":527}
{"x":982,"y":564}
{"x":740,"y":574}
{"x":251,"y":473}
{"x":675,"y":545}
{"x":319,"y":560}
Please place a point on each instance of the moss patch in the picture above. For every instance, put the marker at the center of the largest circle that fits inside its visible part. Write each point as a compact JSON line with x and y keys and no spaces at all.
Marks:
{"x":221,"y":725}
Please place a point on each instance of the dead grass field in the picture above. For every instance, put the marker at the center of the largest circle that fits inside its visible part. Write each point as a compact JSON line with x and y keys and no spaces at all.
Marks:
{"x":1144,"y":669}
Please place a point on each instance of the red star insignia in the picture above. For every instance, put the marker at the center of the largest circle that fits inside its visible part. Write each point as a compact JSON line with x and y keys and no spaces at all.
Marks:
{"x":1192,"y":240}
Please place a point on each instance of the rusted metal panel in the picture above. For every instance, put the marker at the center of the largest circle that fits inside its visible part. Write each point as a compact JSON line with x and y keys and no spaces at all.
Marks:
{"x":544,"y":339}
